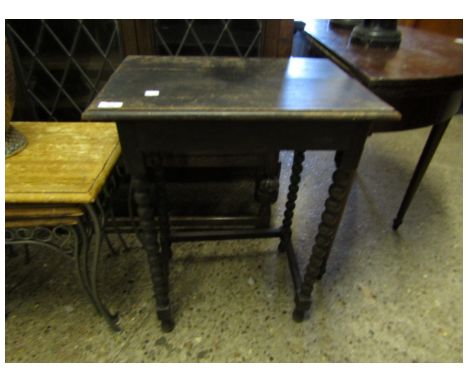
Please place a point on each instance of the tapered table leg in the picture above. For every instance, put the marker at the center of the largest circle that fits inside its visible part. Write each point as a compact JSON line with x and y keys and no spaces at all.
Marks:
{"x":158,"y":263}
{"x":428,"y":152}
{"x":294,"y":181}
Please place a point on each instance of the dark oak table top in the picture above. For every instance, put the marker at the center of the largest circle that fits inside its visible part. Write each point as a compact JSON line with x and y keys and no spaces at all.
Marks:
{"x":422,"y":56}
{"x":220,"y":88}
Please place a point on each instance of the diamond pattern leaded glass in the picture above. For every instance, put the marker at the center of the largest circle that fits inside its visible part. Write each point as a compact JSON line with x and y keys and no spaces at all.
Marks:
{"x":62,"y":64}
{"x":208,"y":37}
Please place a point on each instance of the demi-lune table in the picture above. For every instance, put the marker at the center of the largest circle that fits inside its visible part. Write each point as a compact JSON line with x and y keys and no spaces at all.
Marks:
{"x":170,"y":105}
{"x":422,"y":79}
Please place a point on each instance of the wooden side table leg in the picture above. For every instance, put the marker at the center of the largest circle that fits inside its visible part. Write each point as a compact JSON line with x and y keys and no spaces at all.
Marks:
{"x":338,"y":158}
{"x":428,"y":152}
{"x":163,"y":210}
{"x":334,"y":206}
{"x":266,"y":194}
{"x":294,"y":181}
{"x":338,"y":192}
{"x":157,"y":262}
{"x":267,"y":188}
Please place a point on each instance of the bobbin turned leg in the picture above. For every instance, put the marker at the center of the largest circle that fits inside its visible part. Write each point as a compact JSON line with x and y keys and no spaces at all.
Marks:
{"x":267,"y":187}
{"x":294,"y":181}
{"x":338,"y":192}
{"x":328,"y":227}
{"x":338,"y":158}
{"x":158,"y":263}
{"x":163,"y":208}
{"x":266,"y":193}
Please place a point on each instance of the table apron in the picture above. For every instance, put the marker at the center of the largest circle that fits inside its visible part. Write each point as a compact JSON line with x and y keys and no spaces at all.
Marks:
{"x":180,"y":137}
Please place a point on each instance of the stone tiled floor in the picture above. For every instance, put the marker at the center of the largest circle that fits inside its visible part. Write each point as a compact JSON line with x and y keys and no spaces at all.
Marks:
{"x":387,"y":297}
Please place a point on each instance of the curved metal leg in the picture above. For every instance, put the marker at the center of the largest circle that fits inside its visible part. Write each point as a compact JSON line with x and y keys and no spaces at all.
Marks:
{"x":94,"y":256}
{"x":82,"y":264}
{"x":79,"y":254}
{"x":103,"y":223}
{"x":108,"y":188}
{"x":123,"y":243}
{"x":294,"y":181}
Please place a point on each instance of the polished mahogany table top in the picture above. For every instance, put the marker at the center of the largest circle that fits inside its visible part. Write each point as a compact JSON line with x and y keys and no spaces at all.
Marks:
{"x":421,"y":56}
{"x":422,"y":79}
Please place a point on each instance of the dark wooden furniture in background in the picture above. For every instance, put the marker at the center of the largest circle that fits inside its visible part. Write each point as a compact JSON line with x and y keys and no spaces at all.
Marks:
{"x":265,"y":38}
{"x":253,"y":105}
{"x":422,"y":80}
{"x":448,"y":27}
{"x":62,"y":64}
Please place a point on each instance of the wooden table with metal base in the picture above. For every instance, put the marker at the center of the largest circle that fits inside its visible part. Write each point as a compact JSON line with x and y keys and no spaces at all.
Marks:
{"x":173,"y":105}
{"x":57,"y":193}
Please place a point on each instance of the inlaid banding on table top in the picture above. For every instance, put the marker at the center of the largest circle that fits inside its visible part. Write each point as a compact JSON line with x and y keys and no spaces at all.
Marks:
{"x":65,"y":162}
{"x":235,"y":88}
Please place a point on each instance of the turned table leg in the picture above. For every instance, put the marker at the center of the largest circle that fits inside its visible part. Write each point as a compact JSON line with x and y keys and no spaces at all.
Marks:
{"x":334,"y":206}
{"x":163,"y":209}
{"x":338,"y":192}
{"x":158,"y":263}
{"x":294,"y":181}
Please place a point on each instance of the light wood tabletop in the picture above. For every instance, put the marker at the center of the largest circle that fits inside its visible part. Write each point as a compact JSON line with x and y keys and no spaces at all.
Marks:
{"x":64,"y":162}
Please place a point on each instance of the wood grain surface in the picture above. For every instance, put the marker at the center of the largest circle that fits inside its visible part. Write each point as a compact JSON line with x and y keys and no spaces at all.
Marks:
{"x":20,"y":211}
{"x":37,"y":222}
{"x":422,"y":55}
{"x":63,"y":163}
{"x":224,"y":88}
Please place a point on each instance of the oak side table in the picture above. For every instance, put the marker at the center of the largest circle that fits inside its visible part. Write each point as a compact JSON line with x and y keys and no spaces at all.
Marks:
{"x":170,"y":105}
{"x":54,"y":194}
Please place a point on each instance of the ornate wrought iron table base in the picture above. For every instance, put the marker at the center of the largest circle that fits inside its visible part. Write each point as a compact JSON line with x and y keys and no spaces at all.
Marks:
{"x":78,"y":238}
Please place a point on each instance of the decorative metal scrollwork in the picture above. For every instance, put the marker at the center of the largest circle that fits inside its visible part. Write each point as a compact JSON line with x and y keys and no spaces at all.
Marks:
{"x":61,"y":238}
